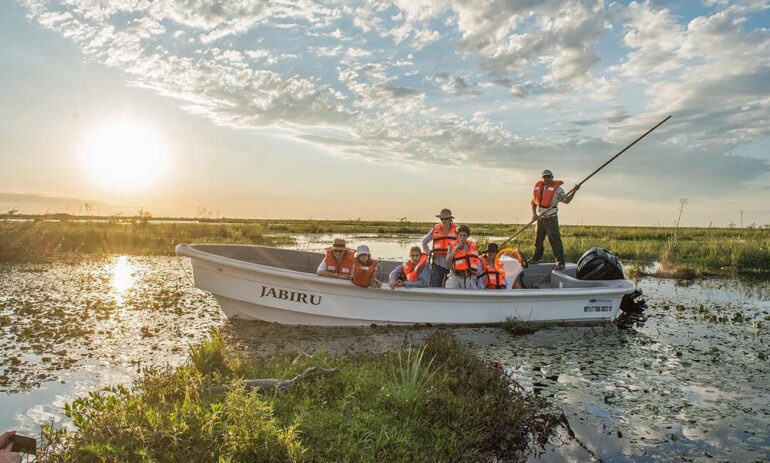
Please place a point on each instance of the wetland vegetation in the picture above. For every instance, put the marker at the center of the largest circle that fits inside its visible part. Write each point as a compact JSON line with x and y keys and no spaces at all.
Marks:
{"x":438,"y":402}
{"x":682,"y":252}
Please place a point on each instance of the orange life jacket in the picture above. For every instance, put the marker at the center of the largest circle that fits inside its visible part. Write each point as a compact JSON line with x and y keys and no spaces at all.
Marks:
{"x":492,"y":277}
{"x":412,"y":270}
{"x":347,"y":262}
{"x":543,"y":195}
{"x":466,"y":260}
{"x":443,"y":241}
{"x":364,"y":273}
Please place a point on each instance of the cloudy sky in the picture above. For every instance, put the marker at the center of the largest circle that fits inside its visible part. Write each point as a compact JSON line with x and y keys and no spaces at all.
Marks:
{"x":377,"y":110}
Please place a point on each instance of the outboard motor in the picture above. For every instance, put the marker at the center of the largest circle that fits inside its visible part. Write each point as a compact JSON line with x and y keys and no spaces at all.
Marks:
{"x":599,"y":264}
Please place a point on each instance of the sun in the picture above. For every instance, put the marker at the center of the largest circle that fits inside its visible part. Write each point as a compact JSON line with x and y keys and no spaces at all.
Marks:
{"x":124,"y":155}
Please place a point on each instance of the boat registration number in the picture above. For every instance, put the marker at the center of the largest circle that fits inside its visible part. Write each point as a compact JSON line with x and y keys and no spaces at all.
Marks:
{"x":598,"y":305}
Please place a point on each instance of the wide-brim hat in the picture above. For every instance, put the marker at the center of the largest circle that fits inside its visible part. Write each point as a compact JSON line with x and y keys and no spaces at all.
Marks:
{"x":491,"y":247}
{"x":339,"y":245}
{"x":445,"y":214}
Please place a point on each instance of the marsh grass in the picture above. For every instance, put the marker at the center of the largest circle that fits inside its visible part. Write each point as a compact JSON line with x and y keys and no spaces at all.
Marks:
{"x":459,"y":409}
{"x":518,"y":327}
{"x":208,"y":356}
{"x":47,"y":241}
{"x":411,"y":373}
{"x":702,"y":250}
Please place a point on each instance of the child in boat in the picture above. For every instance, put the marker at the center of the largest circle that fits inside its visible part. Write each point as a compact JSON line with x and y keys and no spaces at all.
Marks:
{"x":489,"y":276}
{"x":338,"y":262}
{"x":364,"y":269}
{"x":414,"y":273}
{"x":464,"y":258}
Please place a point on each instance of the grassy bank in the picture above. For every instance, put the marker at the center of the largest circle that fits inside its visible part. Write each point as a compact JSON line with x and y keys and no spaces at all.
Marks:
{"x":701,"y":250}
{"x":435,"y":403}
{"x":45,"y":241}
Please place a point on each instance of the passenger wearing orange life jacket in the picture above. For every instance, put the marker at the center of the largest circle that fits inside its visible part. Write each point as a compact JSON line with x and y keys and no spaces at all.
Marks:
{"x":489,"y":276}
{"x":442,"y":236}
{"x":364,"y":269}
{"x":414,"y":273}
{"x":464,"y":256}
{"x":546,"y":195}
{"x":338,"y":262}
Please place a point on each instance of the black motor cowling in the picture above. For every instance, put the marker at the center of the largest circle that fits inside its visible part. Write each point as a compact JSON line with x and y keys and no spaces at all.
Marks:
{"x":599,"y":264}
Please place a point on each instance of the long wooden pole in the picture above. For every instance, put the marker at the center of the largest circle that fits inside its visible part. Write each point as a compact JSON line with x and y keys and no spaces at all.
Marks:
{"x":572,"y":191}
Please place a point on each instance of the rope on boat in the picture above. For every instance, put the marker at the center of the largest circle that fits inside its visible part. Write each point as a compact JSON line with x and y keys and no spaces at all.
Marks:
{"x":181,"y":266}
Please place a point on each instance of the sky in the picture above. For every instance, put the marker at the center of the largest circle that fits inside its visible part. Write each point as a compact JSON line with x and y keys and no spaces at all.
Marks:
{"x":382,"y":110}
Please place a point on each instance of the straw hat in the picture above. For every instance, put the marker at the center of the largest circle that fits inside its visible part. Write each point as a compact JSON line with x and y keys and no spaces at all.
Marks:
{"x":491,"y":247}
{"x":445,"y":214}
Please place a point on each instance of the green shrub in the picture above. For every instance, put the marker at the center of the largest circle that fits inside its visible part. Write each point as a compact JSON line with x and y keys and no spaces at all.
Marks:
{"x":209,"y":356}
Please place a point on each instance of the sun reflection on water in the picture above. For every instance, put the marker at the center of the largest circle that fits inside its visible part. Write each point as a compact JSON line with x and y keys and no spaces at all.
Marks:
{"x":122,"y":277}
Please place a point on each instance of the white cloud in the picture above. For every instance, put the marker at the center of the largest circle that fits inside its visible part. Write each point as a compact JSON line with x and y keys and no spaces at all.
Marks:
{"x":396,"y":77}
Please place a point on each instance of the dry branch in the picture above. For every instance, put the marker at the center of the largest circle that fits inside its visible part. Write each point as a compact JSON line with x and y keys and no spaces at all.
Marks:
{"x":271,"y":384}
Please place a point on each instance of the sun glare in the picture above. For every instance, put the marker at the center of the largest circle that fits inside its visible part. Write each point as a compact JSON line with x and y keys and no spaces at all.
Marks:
{"x":124,"y":155}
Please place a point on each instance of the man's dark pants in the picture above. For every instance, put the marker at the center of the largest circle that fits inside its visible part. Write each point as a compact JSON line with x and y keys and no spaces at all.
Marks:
{"x":548,"y":226}
{"x":437,"y":276}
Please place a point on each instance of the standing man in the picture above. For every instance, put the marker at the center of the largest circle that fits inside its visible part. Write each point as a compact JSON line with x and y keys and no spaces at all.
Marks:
{"x":443,"y":235}
{"x":548,"y":193}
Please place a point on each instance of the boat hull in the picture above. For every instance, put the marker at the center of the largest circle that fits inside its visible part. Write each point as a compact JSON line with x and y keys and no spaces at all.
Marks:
{"x":248,"y":290}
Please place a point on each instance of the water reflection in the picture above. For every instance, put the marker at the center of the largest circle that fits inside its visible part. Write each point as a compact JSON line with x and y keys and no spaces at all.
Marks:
{"x":77,"y":327}
{"x":122,"y":277}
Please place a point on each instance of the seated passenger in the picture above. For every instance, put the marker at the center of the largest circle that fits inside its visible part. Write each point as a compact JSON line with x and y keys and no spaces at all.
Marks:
{"x":338,"y":262}
{"x":414,"y":273}
{"x":464,"y":258}
{"x":489,"y":276}
{"x":364,"y":268}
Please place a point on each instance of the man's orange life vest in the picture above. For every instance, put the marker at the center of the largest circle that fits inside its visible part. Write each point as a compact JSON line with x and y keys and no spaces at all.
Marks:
{"x":491,"y":276}
{"x":412,"y":270}
{"x":443,"y":241}
{"x":347,"y":262}
{"x":364,"y":272}
{"x":466,"y":260}
{"x":543,"y":195}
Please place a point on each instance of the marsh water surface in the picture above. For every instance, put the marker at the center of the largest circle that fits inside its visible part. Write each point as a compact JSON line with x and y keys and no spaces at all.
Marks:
{"x":689,"y":381}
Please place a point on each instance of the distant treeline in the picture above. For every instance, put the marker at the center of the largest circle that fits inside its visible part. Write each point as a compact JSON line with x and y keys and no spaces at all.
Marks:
{"x":704,"y":250}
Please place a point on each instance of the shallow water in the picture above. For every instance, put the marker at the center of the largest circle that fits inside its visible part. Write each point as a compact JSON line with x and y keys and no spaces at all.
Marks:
{"x":688,"y":382}
{"x":67,"y":329}
{"x":679,"y":385}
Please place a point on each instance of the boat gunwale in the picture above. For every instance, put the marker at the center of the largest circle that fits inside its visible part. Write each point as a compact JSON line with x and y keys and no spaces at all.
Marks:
{"x":188,"y":250}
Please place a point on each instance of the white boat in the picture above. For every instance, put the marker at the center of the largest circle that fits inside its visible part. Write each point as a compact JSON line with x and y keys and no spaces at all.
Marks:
{"x":280,"y":285}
